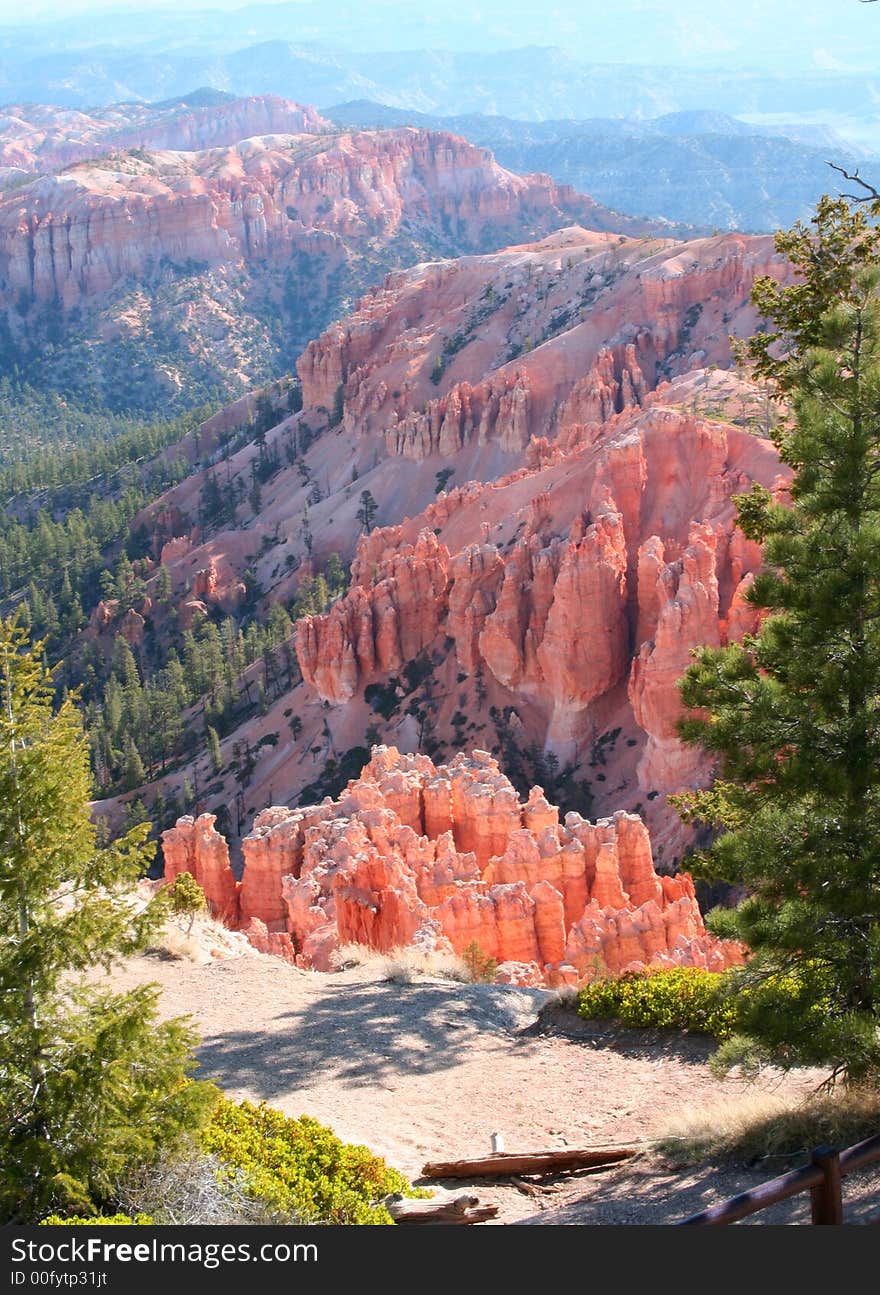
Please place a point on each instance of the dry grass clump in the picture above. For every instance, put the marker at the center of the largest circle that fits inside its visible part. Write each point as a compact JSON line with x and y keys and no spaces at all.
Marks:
{"x":768,"y":1127}
{"x":200,"y":939}
{"x":403,"y":965}
{"x":347,"y":956}
{"x":563,"y":997}
{"x":188,"y":1188}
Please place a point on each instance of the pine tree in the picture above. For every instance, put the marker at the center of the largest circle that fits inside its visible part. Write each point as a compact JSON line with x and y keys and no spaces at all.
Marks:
{"x":133,"y":774}
{"x":366,"y":514}
{"x":163,"y":585}
{"x":793,"y":711}
{"x":186,"y":898}
{"x":89,"y":1081}
{"x":214,"y":750}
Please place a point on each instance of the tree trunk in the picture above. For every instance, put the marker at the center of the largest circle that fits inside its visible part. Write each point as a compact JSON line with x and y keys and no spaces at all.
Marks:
{"x":455,"y":1209}
{"x":530,"y":1162}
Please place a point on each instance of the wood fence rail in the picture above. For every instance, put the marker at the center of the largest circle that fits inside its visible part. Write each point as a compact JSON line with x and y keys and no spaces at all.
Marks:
{"x":822,"y":1178}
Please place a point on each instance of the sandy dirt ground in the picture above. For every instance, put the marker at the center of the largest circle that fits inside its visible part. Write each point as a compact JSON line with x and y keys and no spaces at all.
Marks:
{"x":429,"y":1070}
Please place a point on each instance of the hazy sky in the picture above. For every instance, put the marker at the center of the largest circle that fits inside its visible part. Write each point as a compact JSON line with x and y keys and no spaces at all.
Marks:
{"x":14,"y":11}
{"x":820,"y":34}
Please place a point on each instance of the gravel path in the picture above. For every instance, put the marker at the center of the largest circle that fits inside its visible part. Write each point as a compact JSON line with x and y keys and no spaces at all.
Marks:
{"x":430,"y":1070}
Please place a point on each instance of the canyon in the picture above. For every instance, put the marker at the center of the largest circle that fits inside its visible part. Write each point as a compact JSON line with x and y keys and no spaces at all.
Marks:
{"x":526,"y":450}
{"x":203,"y":247}
{"x":71,"y":236}
{"x":552,"y":437}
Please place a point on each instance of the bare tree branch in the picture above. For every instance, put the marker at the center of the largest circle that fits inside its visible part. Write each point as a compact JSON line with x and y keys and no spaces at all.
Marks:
{"x":870,"y":193}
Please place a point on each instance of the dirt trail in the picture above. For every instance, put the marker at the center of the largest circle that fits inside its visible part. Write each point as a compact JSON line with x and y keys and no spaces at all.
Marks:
{"x":430,"y":1070}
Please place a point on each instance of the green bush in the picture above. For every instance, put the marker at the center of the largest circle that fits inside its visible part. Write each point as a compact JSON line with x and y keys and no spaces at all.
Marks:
{"x":299,"y":1167}
{"x":186,"y":897}
{"x":680,"y":998}
{"x":480,"y":966}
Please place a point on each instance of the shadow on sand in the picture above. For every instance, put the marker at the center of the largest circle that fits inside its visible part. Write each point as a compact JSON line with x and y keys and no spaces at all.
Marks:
{"x":363,"y":1035}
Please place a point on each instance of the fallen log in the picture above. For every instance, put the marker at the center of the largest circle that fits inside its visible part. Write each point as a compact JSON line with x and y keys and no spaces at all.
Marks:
{"x":502,"y":1164}
{"x":448,"y":1209}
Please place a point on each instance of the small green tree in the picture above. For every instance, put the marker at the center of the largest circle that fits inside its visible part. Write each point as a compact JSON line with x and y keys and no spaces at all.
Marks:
{"x":163,"y":585}
{"x":214,"y":752}
{"x":186,"y":898}
{"x":133,"y":773}
{"x":480,"y":965}
{"x":89,"y":1081}
{"x":366,"y":514}
{"x":794,"y":711}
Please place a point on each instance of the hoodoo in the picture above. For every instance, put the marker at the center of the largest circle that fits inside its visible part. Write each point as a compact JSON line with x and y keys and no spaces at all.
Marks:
{"x":444,"y":857}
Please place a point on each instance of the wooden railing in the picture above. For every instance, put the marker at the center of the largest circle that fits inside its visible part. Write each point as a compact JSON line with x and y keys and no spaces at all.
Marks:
{"x":822,"y":1178}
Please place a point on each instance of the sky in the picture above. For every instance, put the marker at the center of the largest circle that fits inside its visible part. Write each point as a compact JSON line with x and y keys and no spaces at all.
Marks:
{"x":823,"y":35}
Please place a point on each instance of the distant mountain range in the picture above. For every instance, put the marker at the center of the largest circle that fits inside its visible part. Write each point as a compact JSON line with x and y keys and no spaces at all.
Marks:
{"x":88,"y":67}
{"x":702,"y":168}
{"x":783,"y":37}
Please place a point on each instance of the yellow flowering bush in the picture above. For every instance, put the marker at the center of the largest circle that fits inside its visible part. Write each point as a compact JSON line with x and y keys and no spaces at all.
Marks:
{"x":299,"y":1167}
{"x":677,"y":998}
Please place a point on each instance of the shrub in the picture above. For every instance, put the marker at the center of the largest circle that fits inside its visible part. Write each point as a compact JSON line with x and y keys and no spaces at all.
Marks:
{"x":383,"y":697}
{"x":680,"y":998}
{"x":186,"y":898}
{"x":299,"y":1167}
{"x":479,"y":965}
{"x":192,"y":1187}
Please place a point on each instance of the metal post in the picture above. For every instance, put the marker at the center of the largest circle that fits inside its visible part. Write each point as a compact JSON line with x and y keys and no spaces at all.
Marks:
{"x":826,"y":1199}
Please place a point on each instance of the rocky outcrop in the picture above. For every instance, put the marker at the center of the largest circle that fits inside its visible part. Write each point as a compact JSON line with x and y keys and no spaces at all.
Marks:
{"x":217,"y":584}
{"x":447,"y":857}
{"x":489,"y":350}
{"x":393,"y":611}
{"x":678,"y":611}
{"x":564,"y":619}
{"x":66,"y":238}
{"x":194,"y":845}
{"x":40,"y":137}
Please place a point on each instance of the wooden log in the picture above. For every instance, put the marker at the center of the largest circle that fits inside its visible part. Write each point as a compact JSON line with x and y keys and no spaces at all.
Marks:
{"x":447,"y":1209}
{"x":505,"y":1163}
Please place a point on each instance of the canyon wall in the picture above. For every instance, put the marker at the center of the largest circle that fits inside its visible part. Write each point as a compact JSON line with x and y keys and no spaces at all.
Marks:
{"x":649,"y":566}
{"x":68,"y":237}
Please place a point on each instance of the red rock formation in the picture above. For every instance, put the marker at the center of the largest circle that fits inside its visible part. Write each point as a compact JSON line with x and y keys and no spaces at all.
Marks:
{"x":584,"y":648}
{"x":274,"y":849}
{"x":447,"y":856}
{"x":194,"y":846}
{"x":217,"y":584}
{"x":174,"y":548}
{"x":682,"y":601}
{"x":69,"y":237}
{"x":131,"y":627}
{"x":38,"y":137}
{"x":383,"y":622}
{"x":572,"y":575}
{"x":688,"y":298}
